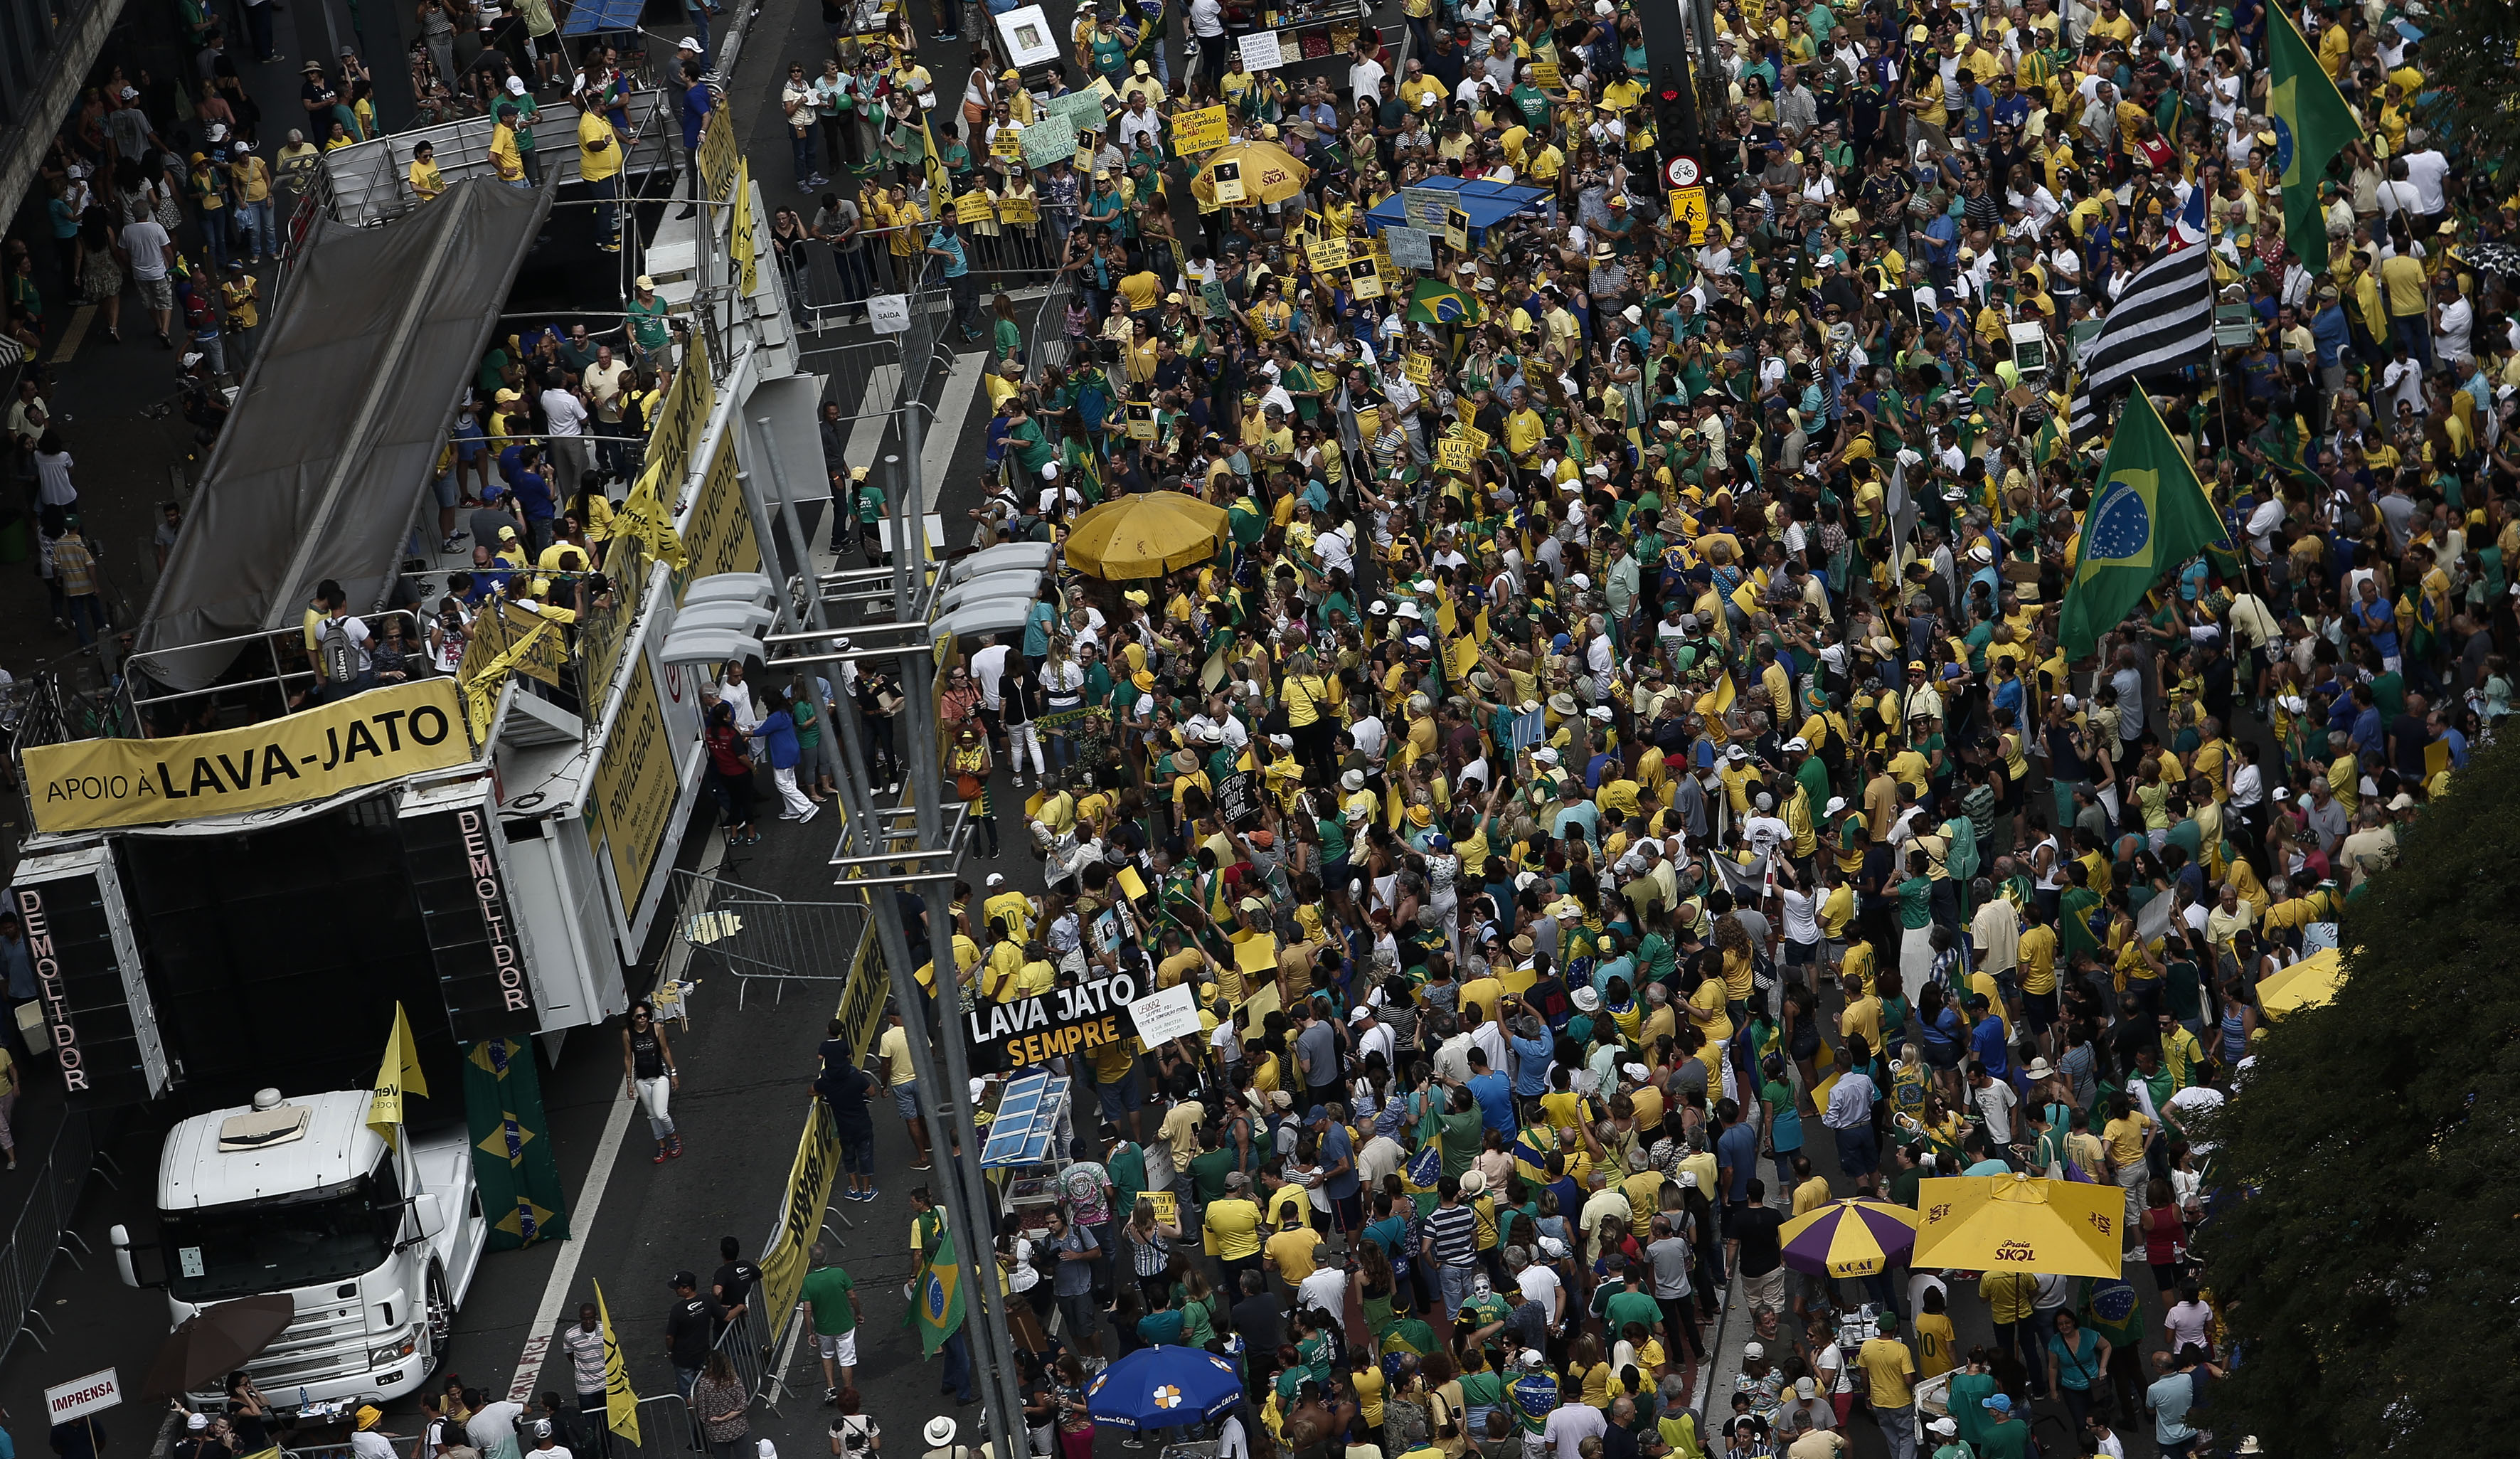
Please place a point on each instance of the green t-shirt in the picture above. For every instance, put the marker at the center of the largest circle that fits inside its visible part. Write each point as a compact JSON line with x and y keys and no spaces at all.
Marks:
{"x":1463,"y":1136}
{"x":828,"y":1289}
{"x":1915,"y":903}
{"x":1208,"y":1170}
{"x":1625,"y":1307}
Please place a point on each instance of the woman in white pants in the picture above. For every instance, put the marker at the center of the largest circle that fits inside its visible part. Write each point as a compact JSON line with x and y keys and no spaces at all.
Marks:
{"x":648,"y":1068}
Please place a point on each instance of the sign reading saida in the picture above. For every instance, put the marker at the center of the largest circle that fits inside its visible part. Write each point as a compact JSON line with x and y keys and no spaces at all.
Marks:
{"x":719,"y":536}
{"x":365,"y":740}
{"x":634,"y":788}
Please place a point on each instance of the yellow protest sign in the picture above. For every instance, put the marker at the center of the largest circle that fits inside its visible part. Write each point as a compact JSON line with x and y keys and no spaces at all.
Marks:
{"x":1419,"y":368}
{"x":359,"y":741}
{"x":741,"y":243}
{"x":1008,"y":143}
{"x":1688,"y":210}
{"x":1363,"y":279}
{"x":1546,"y":76}
{"x":1479,"y":439}
{"x":1457,"y":230}
{"x":1453,"y":456}
{"x":1018,"y":211}
{"x":973,"y":208}
{"x":539,"y":643}
{"x":1166,"y":1210}
{"x":1325,"y":253}
{"x":1199,"y":131}
{"x":1141,"y":420}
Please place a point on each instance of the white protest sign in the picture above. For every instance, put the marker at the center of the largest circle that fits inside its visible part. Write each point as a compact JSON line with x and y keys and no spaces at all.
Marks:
{"x":101,"y":1389}
{"x":1167,"y":1015}
{"x":889,"y":313}
{"x":1261,"y":52}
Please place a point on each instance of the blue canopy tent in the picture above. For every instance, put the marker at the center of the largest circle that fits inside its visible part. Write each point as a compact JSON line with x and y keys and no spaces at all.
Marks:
{"x":600,"y":17}
{"x":1488,"y":204}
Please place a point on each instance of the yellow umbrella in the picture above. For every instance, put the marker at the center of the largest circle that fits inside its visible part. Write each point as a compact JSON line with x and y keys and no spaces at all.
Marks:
{"x":1145,"y":535}
{"x":2306,"y":983}
{"x":1269,"y":174}
{"x":2014,"y":1223}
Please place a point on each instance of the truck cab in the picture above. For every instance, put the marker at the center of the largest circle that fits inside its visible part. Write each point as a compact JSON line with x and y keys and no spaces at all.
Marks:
{"x":376,"y":1241}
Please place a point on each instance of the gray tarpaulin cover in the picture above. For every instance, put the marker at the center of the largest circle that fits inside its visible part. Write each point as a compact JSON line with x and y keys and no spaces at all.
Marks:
{"x":333,"y":442}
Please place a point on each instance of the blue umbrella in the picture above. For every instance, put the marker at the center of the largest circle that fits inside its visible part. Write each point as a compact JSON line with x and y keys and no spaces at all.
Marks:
{"x":1164,"y":1386}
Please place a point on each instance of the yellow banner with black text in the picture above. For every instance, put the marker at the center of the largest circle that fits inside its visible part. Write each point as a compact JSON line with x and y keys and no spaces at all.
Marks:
{"x":364,"y":739}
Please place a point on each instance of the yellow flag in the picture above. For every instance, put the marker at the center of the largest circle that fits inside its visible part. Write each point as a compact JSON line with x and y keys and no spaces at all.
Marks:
{"x":399,"y":1075}
{"x":644,"y":515}
{"x":742,"y":246}
{"x":620,"y":1404}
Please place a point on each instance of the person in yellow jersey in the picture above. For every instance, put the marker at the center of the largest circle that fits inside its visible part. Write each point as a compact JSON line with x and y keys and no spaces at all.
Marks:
{"x":600,"y":149}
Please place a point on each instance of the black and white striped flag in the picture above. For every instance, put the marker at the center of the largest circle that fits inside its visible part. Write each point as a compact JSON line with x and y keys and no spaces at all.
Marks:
{"x":2163,"y":321}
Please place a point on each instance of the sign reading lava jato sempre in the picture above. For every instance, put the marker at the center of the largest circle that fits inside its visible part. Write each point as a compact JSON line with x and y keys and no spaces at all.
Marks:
{"x":1077,"y":1020}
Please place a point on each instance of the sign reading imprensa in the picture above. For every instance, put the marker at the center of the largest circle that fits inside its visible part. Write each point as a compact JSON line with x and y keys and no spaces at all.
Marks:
{"x":365,"y":740}
{"x":1064,"y":1021}
{"x":96,"y":1392}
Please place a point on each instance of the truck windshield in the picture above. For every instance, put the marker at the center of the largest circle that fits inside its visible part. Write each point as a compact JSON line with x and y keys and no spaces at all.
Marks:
{"x":269,"y":1245}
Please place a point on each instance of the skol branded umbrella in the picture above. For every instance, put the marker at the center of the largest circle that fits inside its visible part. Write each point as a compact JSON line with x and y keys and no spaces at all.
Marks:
{"x":1144,"y":535}
{"x":2016,"y":1223}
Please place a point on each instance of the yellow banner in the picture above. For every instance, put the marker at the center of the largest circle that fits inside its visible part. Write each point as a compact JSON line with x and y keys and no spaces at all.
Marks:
{"x":1544,"y":75}
{"x":1199,"y":131}
{"x":720,"y":540}
{"x":620,"y":1400}
{"x":365,"y":740}
{"x":973,"y":208}
{"x":800,"y":1215}
{"x":635,"y":785}
{"x":681,"y":417}
{"x":1325,"y":253}
{"x":741,"y":243}
{"x":1018,"y":211}
{"x":1453,"y":456}
{"x":538,"y":643}
{"x":721,"y":158}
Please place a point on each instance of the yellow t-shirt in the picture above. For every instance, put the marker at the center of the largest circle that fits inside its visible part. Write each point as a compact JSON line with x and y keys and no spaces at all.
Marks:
{"x":2125,"y":1137}
{"x":1293,"y":1253}
{"x":1891,"y":1370}
{"x":2038,"y":958}
{"x":1934,"y":1342}
{"x":895,"y":1046}
{"x":1233,"y":1229}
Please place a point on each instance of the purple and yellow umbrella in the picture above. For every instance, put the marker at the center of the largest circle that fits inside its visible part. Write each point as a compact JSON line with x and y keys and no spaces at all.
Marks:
{"x":1848,"y":1238}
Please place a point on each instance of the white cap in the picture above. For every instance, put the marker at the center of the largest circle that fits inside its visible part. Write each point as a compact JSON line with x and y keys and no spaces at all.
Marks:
{"x":1544,"y":755}
{"x":516,"y":85}
{"x":1798,"y":743}
{"x":2072,"y":704}
{"x":1500,"y":34}
{"x":1736,"y":754}
{"x":1836,"y":804}
{"x":997,"y":879}
{"x":1579,"y":582}
{"x":1753,"y":1350}
{"x":1600,"y":712}
{"x":1533,"y":1357}
{"x":1409,"y":610}
{"x":689,"y":43}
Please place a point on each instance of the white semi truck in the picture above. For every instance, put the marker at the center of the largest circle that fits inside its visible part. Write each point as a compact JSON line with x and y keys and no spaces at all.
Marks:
{"x":377,"y":1243}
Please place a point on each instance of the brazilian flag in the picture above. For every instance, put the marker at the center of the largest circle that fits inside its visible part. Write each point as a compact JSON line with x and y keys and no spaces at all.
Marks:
{"x":936,"y":1289}
{"x":1438,"y":303}
{"x":2150,"y":515}
{"x":2312,"y":124}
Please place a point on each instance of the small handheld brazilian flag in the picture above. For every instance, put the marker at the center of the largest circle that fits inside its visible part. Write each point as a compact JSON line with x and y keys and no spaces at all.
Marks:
{"x":1437,"y":303}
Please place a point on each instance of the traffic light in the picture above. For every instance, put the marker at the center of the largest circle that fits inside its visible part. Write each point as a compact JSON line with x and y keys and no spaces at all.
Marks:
{"x":1675,"y":113}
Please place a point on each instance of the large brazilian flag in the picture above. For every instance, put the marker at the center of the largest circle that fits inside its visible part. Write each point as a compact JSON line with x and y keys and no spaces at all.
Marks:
{"x":2150,"y":515}
{"x":2311,"y":126}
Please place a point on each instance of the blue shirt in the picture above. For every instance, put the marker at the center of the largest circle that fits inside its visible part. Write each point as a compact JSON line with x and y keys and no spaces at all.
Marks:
{"x":1036,"y":643}
{"x":1531,"y":1063}
{"x":1495,"y":1094}
{"x":534,"y":496}
{"x":1738,"y":1150}
{"x":2330,"y":333}
{"x":696,"y":110}
{"x":1986,"y":1040}
{"x":957,"y":262}
{"x":1338,"y":1149}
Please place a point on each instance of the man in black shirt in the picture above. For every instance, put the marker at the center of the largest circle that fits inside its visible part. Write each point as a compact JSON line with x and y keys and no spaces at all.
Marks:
{"x":1750,"y":1239}
{"x":690,"y":1328}
{"x":1258,"y":1316}
{"x":733,"y":1282}
{"x":844,"y":1089}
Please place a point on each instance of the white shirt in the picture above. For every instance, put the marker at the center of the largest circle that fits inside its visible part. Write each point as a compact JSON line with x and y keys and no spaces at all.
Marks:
{"x":1539,"y":1284}
{"x":1325,"y":1289}
{"x":989,"y":671}
{"x":1136,"y":125}
{"x":368,"y":1443}
{"x":1207,"y":19}
{"x":1365,"y":81}
{"x":2426,"y":170}
{"x":567,"y":416}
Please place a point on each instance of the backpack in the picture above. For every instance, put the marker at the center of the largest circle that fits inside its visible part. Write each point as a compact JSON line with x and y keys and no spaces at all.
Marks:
{"x":340,"y":655}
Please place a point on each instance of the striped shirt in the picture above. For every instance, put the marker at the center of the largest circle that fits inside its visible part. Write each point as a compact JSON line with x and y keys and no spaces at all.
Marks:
{"x":1454,"y":1230}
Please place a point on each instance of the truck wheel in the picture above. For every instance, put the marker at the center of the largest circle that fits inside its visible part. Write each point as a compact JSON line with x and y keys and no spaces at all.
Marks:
{"x":441,"y":1309}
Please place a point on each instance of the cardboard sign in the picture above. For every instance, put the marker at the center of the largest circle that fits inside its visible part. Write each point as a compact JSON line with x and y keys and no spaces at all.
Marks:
{"x":1142,"y":422}
{"x":1212,"y":303}
{"x":1008,"y":143}
{"x":1544,"y":75}
{"x":1167,"y":1210}
{"x":1167,"y":1015}
{"x":1454,"y":456}
{"x":1364,"y":280}
{"x":1325,"y":253}
{"x":1082,"y":109}
{"x":1411,"y":248}
{"x":1227,"y":178}
{"x":1018,"y":211}
{"x":1261,"y":51}
{"x":1479,"y":439}
{"x":973,"y":208}
{"x":889,"y":313}
{"x":94,"y":1393}
{"x":1689,"y":210}
{"x":1419,"y":368}
{"x":1238,"y":798}
{"x":1199,"y":131}
{"x":1050,"y":140}
{"x":1425,"y":207}
{"x":1457,"y":230}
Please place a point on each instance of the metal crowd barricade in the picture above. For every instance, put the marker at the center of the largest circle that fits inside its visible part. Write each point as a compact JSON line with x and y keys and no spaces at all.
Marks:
{"x":757,"y":937}
{"x":667,"y":1431}
{"x":742,"y":1343}
{"x":43,"y":1229}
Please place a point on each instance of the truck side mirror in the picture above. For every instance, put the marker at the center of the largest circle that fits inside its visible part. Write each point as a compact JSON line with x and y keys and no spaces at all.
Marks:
{"x":121,"y":1237}
{"x":431,"y":1215}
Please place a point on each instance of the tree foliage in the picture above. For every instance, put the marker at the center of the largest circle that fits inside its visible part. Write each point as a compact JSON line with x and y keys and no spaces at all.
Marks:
{"x":2366,"y":1245}
{"x":2468,"y":61}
